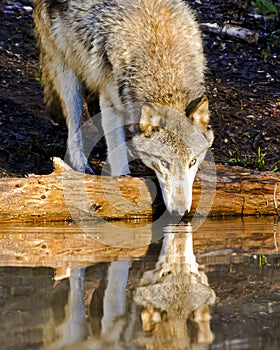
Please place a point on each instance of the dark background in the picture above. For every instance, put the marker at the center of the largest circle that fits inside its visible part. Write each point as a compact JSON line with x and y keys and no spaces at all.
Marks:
{"x":242,"y":83}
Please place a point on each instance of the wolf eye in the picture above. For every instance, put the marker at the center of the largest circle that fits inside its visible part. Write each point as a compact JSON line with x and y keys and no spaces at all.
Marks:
{"x":192,"y":162}
{"x":164,"y":163}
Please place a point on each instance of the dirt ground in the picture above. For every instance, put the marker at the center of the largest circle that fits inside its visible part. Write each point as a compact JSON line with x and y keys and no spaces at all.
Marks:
{"x":243,"y":83}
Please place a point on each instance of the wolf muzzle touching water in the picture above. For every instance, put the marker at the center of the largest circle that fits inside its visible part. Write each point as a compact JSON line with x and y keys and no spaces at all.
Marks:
{"x":144,"y":62}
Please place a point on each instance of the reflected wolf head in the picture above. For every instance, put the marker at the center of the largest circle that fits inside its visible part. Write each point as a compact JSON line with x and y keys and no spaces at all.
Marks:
{"x":174,"y":146}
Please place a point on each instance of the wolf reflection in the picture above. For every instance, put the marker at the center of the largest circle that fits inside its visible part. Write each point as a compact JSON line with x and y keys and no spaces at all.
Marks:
{"x":167,"y":308}
{"x":174,"y":293}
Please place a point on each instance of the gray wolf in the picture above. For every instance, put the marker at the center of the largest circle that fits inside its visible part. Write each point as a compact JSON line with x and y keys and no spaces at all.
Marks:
{"x":143,"y":60}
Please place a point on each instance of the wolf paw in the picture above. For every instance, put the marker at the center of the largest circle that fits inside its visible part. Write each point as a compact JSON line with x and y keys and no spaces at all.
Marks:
{"x":85,"y":169}
{"x":88,"y":170}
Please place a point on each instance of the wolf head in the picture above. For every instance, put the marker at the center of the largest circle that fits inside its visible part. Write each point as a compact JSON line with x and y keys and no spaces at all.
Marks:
{"x":174,"y":145}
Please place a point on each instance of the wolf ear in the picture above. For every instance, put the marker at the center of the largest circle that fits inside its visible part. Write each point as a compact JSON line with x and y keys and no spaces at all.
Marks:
{"x":152,"y":118}
{"x":198,"y":113}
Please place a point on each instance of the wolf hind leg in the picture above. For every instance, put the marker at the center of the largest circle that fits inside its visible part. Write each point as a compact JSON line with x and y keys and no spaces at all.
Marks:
{"x":65,"y":83}
{"x":51,"y":97}
{"x":113,"y":127}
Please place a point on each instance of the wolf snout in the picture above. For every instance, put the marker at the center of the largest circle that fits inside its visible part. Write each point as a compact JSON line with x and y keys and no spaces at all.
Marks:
{"x":179,"y":214}
{"x":179,"y":209}
{"x":181,"y":199}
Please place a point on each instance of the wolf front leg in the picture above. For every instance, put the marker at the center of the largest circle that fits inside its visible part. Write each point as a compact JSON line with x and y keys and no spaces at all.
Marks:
{"x":113,"y":127}
{"x":69,"y":90}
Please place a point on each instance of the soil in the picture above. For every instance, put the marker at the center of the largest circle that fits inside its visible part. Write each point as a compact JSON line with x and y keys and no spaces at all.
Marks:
{"x":243,"y":84}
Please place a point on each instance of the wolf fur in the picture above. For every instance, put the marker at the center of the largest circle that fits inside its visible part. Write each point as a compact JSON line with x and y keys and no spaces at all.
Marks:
{"x":143,"y":60}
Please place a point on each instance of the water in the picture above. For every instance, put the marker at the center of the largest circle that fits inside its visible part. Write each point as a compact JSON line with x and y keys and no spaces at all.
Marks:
{"x":136,"y":286}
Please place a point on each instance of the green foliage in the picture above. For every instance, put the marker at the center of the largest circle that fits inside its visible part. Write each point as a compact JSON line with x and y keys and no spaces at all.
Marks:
{"x":266,"y":8}
{"x":256,"y":162}
{"x":260,"y":160}
{"x":37,"y":75}
{"x":270,"y":11}
{"x":262,"y":260}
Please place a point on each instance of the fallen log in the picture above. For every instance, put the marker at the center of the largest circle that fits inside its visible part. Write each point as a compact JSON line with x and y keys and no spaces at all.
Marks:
{"x":66,"y":195}
{"x":238,"y":191}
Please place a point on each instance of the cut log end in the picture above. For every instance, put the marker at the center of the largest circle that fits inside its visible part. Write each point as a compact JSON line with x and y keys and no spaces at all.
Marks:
{"x":60,"y":166}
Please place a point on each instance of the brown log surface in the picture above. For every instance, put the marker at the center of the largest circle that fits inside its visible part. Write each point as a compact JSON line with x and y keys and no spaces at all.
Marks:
{"x":66,"y":195}
{"x":240,"y":191}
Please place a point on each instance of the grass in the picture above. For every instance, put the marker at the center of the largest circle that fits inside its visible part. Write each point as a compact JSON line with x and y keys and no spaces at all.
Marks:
{"x":255,"y":161}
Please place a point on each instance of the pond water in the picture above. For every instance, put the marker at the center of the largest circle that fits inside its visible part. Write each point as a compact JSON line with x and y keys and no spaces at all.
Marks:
{"x":132,"y":285}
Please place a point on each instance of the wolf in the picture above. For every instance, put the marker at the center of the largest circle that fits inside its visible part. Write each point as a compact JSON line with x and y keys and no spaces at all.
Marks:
{"x":143,"y":61}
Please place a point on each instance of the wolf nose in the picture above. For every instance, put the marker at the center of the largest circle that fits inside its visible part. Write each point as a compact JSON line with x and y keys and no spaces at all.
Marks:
{"x":179,"y":213}
{"x":175,"y":214}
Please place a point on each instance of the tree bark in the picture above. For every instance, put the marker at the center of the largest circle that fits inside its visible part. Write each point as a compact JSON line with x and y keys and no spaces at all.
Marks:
{"x":66,"y":195}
